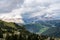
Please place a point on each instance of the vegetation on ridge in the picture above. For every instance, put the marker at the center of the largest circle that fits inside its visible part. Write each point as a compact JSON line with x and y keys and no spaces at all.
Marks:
{"x":12,"y":31}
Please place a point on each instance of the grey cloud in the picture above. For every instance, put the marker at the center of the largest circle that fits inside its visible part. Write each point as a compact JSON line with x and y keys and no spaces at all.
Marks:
{"x":45,"y":6}
{"x":30,"y":8}
{"x":8,"y":5}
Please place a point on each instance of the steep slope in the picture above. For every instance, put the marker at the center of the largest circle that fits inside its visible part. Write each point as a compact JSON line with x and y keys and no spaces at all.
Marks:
{"x":12,"y":27}
{"x":36,"y":28}
{"x":4,"y":24}
{"x":53,"y":31}
{"x":45,"y":27}
{"x":12,"y":31}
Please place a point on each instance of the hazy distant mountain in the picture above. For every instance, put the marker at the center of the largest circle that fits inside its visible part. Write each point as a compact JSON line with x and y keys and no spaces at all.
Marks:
{"x":12,"y":31}
{"x":37,"y":24}
{"x":46,"y":27}
{"x":29,"y":18}
{"x":52,"y":31}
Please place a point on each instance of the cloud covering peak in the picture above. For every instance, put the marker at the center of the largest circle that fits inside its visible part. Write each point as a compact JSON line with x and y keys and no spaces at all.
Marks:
{"x":30,"y":8}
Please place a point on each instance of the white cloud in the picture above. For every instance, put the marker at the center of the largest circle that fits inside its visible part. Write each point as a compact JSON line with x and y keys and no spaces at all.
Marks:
{"x":49,"y":7}
{"x":30,"y":8}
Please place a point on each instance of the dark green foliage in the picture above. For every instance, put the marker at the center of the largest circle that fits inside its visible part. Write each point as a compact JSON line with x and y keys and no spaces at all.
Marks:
{"x":1,"y":33}
{"x":16,"y":32}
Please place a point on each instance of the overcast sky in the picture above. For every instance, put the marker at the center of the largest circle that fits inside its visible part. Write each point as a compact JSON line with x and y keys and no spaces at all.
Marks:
{"x":28,"y":8}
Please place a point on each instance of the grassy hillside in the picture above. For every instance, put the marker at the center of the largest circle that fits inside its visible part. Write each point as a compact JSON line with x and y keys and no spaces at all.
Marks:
{"x":36,"y":28}
{"x":12,"y":31}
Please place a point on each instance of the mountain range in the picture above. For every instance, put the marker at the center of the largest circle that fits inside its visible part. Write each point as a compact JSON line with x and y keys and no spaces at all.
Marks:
{"x":12,"y":31}
{"x":38,"y":24}
{"x":46,"y":27}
